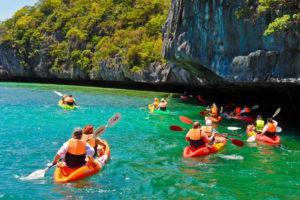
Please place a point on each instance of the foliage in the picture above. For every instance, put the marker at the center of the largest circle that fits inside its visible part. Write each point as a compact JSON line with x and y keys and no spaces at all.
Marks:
{"x":80,"y":33}
{"x":284,"y":13}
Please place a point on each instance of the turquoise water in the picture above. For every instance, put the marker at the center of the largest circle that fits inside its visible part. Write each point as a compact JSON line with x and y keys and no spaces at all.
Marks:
{"x":146,"y":157}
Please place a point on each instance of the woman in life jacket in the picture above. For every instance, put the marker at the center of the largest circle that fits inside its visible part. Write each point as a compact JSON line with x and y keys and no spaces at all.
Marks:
{"x":195,"y":137}
{"x":259,"y":124}
{"x":163,"y":105}
{"x":270,"y":128}
{"x":96,"y":143}
{"x":70,"y":100}
{"x":75,"y":151}
{"x":155,"y":103}
{"x":211,"y":133}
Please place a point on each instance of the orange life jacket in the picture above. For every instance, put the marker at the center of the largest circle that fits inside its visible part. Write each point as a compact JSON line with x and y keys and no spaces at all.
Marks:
{"x":271,"y":127}
{"x":238,"y":111}
{"x":64,"y":100}
{"x":247,"y":110}
{"x":207,"y":129}
{"x":195,"y":138}
{"x":75,"y":156}
{"x":91,"y":142}
{"x":70,"y":100}
{"x":214,"y":111}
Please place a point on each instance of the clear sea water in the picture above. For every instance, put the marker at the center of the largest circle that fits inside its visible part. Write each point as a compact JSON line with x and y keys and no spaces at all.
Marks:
{"x":146,"y":157}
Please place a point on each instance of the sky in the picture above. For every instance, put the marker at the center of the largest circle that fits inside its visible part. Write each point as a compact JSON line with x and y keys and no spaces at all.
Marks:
{"x":9,"y":7}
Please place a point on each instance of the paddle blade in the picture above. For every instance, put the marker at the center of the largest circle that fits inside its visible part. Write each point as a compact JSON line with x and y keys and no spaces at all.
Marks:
{"x":232,"y":128}
{"x":276,"y":112}
{"x":35,"y":175}
{"x":98,"y":132}
{"x":200,"y":99}
{"x":58,"y":93}
{"x":255,"y":107}
{"x":114,"y":119}
{"x":176,"y":128}
{"x":237,"y":142}
{"x":203,"y":112}
{"x":185,"y":120}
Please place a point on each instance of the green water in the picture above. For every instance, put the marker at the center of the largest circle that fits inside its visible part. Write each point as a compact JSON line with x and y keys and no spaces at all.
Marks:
{"x":146,"y":157}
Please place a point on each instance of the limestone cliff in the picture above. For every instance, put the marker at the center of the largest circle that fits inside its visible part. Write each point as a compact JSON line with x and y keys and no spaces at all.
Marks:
{"x":205,"y":34}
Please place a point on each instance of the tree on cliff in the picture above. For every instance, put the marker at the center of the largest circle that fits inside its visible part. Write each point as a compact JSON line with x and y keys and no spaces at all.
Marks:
{"x":281,"y":15}
{"x":80,"y":33}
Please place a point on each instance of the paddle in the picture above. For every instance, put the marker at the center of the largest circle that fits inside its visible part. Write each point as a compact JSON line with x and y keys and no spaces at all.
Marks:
{"x":200,"y":99}
{"x":185,"y":120}
{"x":236,"y":142}
{"x":169,"y":97}
{"x":203,"y":112}
{"x":178,"y":128}
{"x":58,"y":93}
{"x":233,"y":128}
{"x":276,"y":112}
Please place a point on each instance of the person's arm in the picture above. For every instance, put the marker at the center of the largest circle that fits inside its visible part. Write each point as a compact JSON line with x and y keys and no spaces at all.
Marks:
{"x":89,"y":150}
{"x":265,"y":129}
{"x":205,"y":138}
{"x":55,"y":160}
{"x":99,"y":142}
{"x":275,"y":122}
{"x":187,"y":137}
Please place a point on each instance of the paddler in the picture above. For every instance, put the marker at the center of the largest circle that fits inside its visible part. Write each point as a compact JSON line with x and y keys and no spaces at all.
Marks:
{"x":246,"y":110}
{"x":196,"y":137}
{"x":163,"y":105}
{"x":156,"y":103}
{"x":259,"y":124}
{"x":214,"y":110}
{"x":210,"y":132}
{"x":75,"y":151}
{"x":96,"y":143}
{"x":70,"y":100}
{"x":270,"y":128}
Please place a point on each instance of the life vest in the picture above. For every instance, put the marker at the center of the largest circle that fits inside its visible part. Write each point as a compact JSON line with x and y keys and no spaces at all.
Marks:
{"x":195,"y":138}
{"x":207,"y":129}
{"x":214,"y":111}
{"x":75,"y":156}
{"x":259,"y":125}
{"x":156,"y":103}
{"x":271,"y":127}
{"x":91,"y":142}
{"x":238,"y":111}
{"x":247,"y":110}
{"x":70,"y":100}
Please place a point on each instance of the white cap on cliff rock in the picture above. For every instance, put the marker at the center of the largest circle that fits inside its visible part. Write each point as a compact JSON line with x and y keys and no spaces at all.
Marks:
{"x":208,"y":122}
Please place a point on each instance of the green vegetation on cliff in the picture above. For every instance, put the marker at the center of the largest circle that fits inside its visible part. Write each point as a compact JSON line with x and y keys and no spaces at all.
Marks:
{"x":80,"y":33}
{"x":285,"y":14}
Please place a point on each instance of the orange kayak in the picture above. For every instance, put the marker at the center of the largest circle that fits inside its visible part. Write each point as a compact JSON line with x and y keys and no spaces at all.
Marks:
{"x":190,"y":151}
{"x":214,"y":119}
{"x":64,"y":174}
{"x":263,"y":138}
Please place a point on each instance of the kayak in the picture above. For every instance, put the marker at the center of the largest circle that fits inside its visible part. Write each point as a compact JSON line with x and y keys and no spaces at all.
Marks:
{"x":65,"y":106}
{"x":214,"y":119}
{"x":64,"y":174}
{"x":151,"y":109}
{"x":263,"y":138}
{"x":242,"y":118}
{"x":190,"y":151}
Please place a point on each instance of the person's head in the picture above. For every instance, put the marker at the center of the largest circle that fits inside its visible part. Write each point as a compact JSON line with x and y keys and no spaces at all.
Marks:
{"x":208,"y":122}
{"x":70,"y":95}
{"x":214,"y":105}
{"x":196,"y":125}
{"x":88,"y":129}
{"x":64,"y":96}
{"x":162,"y":100}
{"x":270,"y":120}
{"x":258,"y":117}
{"x":156,"y":99}
{"x":77,"y":133}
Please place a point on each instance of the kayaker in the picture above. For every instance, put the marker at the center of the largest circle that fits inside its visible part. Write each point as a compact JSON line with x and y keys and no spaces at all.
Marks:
{"x":64,"y":99}
{"x":270,"y":128}
{"x":259,"y":124}
{"x":96,"y":143}
{"x":195,"y":137}
{"x":246,"y":110}
{"x":163,"y":105}
{"x":210,"y":132}
{"x":236,"y":112}
{"x":70,"y":100}
{"x":75,"y":151}
{"x":156,"y":103}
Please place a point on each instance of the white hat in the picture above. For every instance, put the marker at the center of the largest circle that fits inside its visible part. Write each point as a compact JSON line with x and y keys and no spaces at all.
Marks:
{"x":208,"y":122}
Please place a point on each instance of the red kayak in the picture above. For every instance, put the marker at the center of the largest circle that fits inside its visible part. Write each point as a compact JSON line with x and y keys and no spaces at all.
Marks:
{"x":190,"y":151}
{"x":263,"y":138}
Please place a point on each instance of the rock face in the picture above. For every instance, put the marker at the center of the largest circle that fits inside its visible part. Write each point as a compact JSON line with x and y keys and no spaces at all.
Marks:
{"x":205,"y":34}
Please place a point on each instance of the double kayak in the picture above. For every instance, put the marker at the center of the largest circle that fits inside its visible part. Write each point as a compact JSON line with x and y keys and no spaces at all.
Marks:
{"x":65,"y":106}
{"x":190,"y":151}
{"x":242,"y":118}
{"x":64,"y":174}
{"x":263,"y":138}
{"x":214,"y":119}
{"x":151,"y":109}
